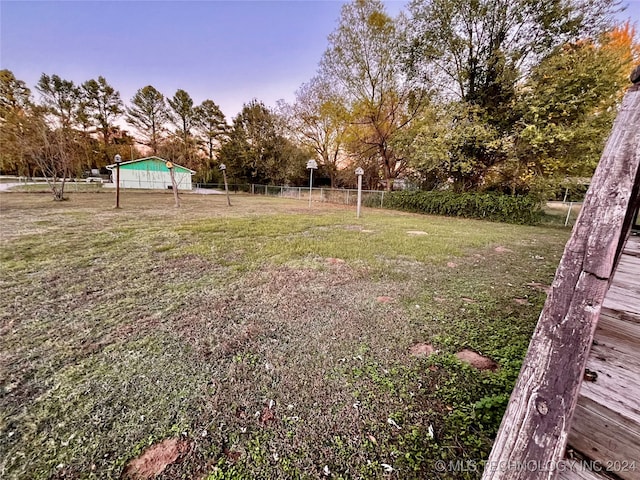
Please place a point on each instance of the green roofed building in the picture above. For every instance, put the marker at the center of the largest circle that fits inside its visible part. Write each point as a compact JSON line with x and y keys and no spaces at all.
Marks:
{"x":151,"y":173}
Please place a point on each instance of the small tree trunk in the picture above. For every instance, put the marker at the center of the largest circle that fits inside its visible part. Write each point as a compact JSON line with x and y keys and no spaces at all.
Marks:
{"x":174,"y":187}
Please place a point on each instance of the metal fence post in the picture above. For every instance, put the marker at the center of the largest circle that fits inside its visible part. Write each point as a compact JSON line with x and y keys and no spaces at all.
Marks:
{"x":566,"y":222}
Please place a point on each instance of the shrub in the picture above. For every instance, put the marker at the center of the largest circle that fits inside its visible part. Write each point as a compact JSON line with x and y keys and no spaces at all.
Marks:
{"x":523,"y":210}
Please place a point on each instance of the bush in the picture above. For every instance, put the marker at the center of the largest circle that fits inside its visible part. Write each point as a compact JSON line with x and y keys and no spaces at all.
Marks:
{"x":523,"y":210}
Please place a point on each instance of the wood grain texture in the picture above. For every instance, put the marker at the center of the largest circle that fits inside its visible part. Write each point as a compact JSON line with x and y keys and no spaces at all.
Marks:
{"x":577,"y":470}
{"x":606,"y":423}
{"x":613,"y":447}
{"x":535,"y":426}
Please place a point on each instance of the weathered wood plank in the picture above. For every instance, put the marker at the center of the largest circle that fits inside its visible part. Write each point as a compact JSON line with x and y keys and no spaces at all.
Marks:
{"x":633,"y":246}
{"x":619,"y":327}
{"x":613,"y":354}
{"x":624,"y":292}
{"x":577,"y":470}
{"x":623,"y":300}
{"x":535,"y":426}
{"x":617,"y":386}
{"x":630,"y":264}
{"x":606,"y":439}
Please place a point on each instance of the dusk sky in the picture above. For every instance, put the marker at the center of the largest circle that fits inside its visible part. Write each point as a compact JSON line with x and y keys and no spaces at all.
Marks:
{"x":227,"y":51}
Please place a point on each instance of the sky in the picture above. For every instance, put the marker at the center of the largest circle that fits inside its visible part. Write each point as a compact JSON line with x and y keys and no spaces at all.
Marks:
{"x":226,"y":51}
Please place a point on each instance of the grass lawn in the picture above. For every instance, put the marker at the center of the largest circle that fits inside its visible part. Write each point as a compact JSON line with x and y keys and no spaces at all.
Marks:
{"x":268,"y":340}
{"x":69,"y":187}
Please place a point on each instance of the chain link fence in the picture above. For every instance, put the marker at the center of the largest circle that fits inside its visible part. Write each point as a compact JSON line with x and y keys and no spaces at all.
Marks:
{"x":341,"y":196}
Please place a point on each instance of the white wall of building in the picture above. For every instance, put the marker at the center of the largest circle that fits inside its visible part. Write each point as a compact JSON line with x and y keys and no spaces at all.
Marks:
{"x":151,"y":179}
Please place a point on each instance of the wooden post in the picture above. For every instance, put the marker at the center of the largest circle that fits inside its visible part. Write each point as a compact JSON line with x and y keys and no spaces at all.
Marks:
{"x":534,"y":430}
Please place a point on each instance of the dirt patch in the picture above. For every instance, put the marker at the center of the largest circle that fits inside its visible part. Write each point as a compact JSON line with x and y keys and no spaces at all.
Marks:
{"x":540,"y":287}
{"x":521,"y":301}
{"x":422,"y":350}
{"x":452,"y":264}
{"x":335,"y":261}
{"x":384,"y":299}
{"x":476,"y":360}
{"x":416,"y":232}
{"x":155,"y":459}
{"x":501,"y":249}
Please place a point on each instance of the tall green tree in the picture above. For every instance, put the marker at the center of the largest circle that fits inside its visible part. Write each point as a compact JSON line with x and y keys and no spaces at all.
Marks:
{"x":14,"y":94}
{"x":569,"y":104}
{"x":102,"y":106}
{"x":363,"y":58}
{"x":477,"y":55}
{"x":148,"y":113}
{"x":15,"y":106}
{"x":211,"y":125}
{"x":479,"y":49}
{"x":256,"y":152}
{"x":183,"y":116}
{"x":61,"y":98}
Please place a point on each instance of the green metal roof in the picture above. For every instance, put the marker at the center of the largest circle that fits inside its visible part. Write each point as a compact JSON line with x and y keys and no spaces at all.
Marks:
{"x":155,"y":164}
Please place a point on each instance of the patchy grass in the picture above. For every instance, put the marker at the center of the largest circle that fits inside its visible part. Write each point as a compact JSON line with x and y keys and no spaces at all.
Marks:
{"x":255,"y":334}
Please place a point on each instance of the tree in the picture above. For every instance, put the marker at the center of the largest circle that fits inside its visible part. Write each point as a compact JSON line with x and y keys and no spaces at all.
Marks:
{"x":477,"y":50}
{"x":478,"y":54}
{"x":257,"y":153}
{"x":183,"y":116}
{"x":319,"y":120}
{"x":453,"y":146}
{"x":363,"y":57}
{"x":54,"y":150}
{"x":61,"y":98}
{"x":15,"y":104}
{"x":55,"y":144}
{"x":102,"y":106}
{"x":212,"y":126}
{"x":14,"y":94}
{"x":148,"y":113}
{"x":569,"y":104}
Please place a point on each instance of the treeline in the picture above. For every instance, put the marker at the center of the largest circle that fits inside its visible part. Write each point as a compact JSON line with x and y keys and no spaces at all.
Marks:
{"x":483,"y":95}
